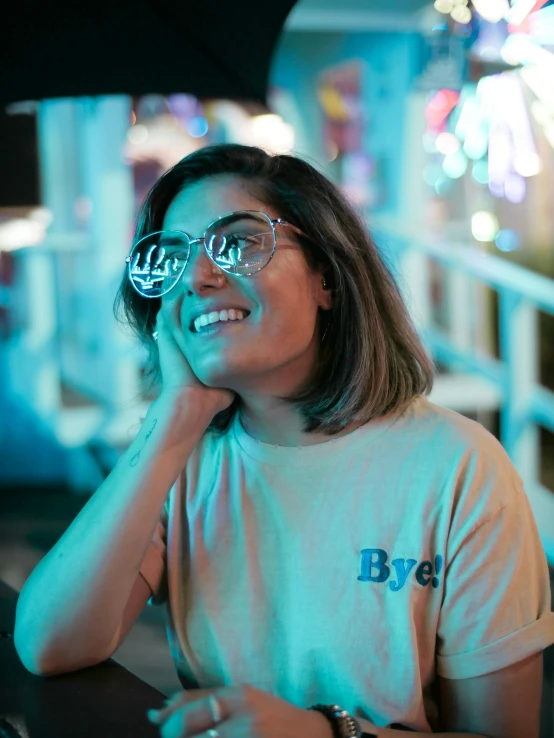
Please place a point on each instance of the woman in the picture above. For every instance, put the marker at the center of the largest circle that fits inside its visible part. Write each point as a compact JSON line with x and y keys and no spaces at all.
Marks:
{"x":320,"y":531}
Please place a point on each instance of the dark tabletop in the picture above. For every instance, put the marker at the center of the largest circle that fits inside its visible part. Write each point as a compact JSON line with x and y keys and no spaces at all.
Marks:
{"x":104,"y":701}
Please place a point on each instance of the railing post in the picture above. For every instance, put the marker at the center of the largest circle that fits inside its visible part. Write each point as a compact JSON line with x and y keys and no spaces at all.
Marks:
{"x":519,"y":352}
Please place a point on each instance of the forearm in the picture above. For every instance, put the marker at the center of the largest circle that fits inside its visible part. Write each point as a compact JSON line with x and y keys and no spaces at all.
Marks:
{"x":73,"y":602}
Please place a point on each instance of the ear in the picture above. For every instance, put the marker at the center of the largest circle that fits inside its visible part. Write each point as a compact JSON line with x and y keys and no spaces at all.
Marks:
{"x":325,"y":294}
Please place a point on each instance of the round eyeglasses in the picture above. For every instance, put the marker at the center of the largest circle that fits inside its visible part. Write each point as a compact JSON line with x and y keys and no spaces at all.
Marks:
{"x":240,"y":243}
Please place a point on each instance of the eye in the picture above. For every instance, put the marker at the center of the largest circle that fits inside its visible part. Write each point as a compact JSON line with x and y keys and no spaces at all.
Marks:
{"x":243,"y":240}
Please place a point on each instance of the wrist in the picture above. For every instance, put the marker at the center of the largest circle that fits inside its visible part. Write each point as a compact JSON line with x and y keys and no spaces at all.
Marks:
{"x":321,"y":727}
{"x":183,"y":410}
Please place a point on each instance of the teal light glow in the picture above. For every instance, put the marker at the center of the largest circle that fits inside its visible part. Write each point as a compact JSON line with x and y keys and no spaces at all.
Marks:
{"x":507,"y":240}
{"x":443,"y":185}
{"x":476,"y":143}
{"x":480,"y":171}
{"x":455,"y":165}
{"x":197,"y":127}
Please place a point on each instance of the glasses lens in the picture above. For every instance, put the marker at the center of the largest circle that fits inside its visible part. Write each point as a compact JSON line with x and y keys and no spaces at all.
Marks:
{"x":157,"y":262}
{"x":241,"y":243}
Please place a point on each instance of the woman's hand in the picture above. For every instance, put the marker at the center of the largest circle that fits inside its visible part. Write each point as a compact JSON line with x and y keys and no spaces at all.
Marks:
{"x":177,"y":375}
{"x":247,"y":712}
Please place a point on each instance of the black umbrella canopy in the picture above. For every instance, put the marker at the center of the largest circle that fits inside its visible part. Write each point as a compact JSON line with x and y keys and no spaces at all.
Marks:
{"x":209,"y":48}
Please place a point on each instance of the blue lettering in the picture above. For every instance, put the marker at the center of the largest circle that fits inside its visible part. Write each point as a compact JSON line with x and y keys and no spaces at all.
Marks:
{"x":403,"y":568}
{"x":423,"y":572}
{"x":438,"y":567}
{"x":368,"y":563}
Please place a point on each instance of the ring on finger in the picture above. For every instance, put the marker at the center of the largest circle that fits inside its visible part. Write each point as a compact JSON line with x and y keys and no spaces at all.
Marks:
{"x":215,"y":710}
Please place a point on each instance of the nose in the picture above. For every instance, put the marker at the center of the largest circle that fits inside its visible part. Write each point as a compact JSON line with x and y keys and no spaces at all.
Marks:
{"x":200,"y":271}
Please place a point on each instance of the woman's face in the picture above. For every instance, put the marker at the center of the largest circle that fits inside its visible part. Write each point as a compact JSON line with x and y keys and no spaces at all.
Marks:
{"x":275,"y":347}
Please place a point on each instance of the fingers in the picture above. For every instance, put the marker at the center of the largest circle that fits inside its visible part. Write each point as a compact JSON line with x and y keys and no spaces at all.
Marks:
{"x":191,"y":713}
{"x":175,"y":702}
{"x":182,"y":718}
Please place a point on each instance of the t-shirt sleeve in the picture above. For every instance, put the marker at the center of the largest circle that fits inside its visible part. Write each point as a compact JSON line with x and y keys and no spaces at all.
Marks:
{"x":153,"y":567}
{"x":496,"y":607}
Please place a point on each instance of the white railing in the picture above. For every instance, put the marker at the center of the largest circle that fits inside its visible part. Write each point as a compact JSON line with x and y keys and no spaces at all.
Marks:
{"x":481,"y":381}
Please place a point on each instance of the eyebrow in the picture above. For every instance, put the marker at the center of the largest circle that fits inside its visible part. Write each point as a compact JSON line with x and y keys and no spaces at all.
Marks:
{"x":229,"y":218}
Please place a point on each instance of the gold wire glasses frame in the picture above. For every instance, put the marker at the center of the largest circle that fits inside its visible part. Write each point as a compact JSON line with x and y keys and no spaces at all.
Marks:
{"x":158,"y":260}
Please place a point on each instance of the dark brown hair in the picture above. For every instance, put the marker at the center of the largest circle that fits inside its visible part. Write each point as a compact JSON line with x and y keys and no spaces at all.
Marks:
{"x":372,"y":361}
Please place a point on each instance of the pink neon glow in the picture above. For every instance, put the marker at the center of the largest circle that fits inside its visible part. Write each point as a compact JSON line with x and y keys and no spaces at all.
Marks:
{"x":525,"y":25}
{"x":440,"y":107}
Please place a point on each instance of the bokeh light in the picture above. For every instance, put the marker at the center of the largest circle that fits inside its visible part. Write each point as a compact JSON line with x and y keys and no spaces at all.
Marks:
{"x":514,"y":188}
{"x":527,"y":164}
{"x":137,"y":134}
{"x":461,"y":14}
{"x":443,"y":6}
{"x":480,"y":171}
{"x":447,"y":143}
{"x":455,"y":165}
{"x":507,"y":240}
{"x":484,"y":226}
{"x":197,"y":127}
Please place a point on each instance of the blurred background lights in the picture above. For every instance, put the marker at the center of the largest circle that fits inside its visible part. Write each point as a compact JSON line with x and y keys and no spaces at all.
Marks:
{"x":455,"y":165}
{"x":443,"y":185}
{"x":137,"y":134}
{"x":429,"y":140}
{"x":197,"y":127}
{"x":480,"y":171}
{"x":476,"y":143}
{"x":440,"y":106}
{"x":270,"y":132}
{"x":496,"y":188}
{"x":457,"y":9}
{"x":484,"y":226}
{"x":540,"y":112}
{"x":491,"y":10}
{"x":514,"y":188}
{"x":21,"y":232}
{"x":468,"y":116}
{"x":549,"y":133}
{"x":461,"y":14}
{"x":507,"y":240}
{"x":41,"y":215}
{"x":444,"y":6}
{"x":519,"y":11}
{"x":447,"y":143}
{"x":527,"y":164}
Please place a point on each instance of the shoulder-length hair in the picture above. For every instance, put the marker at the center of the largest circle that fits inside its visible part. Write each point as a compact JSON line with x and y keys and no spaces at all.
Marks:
{"x":372,"y":361}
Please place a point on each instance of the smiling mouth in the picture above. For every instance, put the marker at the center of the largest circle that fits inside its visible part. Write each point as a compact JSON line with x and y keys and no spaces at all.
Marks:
{"x":213,"y":327}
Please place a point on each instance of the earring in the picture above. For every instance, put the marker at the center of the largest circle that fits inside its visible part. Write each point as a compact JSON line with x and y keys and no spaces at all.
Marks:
{"x":324,"y":283}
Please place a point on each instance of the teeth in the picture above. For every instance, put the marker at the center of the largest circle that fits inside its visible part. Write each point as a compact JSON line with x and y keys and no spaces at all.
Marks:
{"x":215,"y":317}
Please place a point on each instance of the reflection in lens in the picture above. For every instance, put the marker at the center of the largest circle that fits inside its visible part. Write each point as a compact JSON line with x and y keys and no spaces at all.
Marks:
{"x":157,"y":262}
{"x":242,"y":242}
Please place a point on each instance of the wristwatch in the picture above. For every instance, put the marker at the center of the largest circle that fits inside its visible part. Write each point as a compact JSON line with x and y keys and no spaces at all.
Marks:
{"x":343,"y":724}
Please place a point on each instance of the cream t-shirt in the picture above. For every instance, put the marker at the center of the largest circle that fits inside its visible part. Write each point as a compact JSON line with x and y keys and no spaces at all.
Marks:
{"x":352,"y":571}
